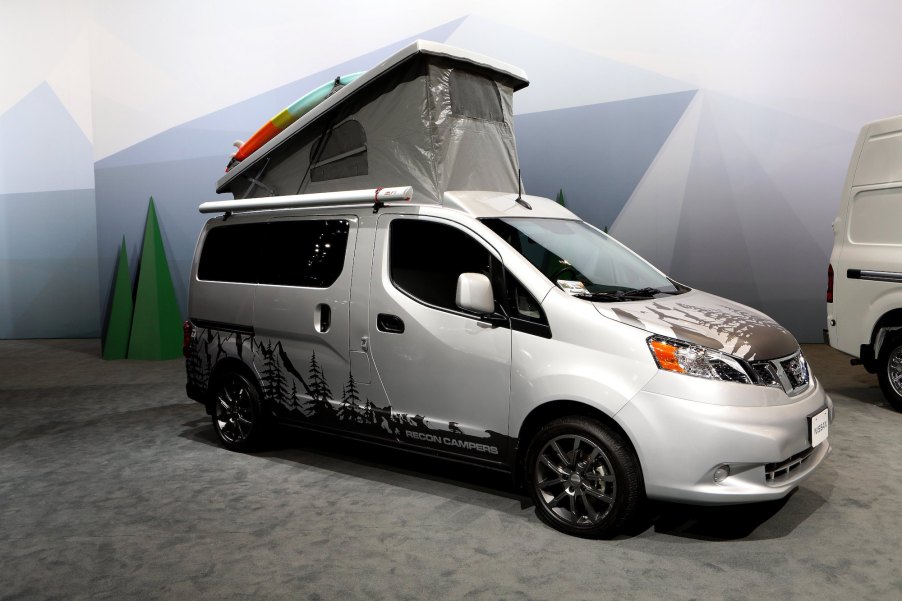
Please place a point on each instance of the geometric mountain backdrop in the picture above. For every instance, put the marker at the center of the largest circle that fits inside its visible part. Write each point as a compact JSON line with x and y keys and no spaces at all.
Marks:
{"x":715,"y":212}
{"x":716,"y":152}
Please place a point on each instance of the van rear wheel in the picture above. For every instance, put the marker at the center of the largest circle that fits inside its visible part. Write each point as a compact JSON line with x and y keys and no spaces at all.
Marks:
{"x":238,"y":416}
{"x":890,"y":371}
{"x":583,"y":478}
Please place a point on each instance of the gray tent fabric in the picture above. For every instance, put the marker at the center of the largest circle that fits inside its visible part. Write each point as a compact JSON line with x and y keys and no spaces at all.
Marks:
{"x":434,"y":122}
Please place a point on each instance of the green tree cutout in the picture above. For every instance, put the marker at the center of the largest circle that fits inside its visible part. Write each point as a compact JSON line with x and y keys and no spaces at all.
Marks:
{"x":115,"y":342}
{"x":156,"y":331}
{"x":560,"y":198}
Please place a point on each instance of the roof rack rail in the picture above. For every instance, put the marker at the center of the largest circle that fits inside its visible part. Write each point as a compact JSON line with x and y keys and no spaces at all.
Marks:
{"x":377,"y":196}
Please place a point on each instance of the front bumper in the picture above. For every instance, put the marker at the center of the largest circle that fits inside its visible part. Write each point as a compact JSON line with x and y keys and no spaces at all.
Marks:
{"x":681,"y":442}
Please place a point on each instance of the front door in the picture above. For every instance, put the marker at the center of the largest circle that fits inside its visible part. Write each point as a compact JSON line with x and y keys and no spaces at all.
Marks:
{"x":445,"y":371}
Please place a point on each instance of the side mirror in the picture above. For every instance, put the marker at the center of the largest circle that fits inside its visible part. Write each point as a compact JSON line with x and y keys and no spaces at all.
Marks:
{"x":474,"y":293}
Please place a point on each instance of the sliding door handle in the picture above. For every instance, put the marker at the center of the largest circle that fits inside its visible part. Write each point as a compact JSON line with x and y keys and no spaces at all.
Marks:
{"x":322,"y":318}
{"x":390,"y":323}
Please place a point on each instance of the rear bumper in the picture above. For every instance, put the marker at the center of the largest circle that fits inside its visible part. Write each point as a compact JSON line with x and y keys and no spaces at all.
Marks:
{"x":681,"y":443}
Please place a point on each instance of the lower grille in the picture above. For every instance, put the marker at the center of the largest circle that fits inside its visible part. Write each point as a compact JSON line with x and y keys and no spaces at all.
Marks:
{"x":776,"y":473}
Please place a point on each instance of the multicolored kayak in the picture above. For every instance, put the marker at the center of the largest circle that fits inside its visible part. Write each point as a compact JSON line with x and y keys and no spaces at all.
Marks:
{"x":289,"y":115}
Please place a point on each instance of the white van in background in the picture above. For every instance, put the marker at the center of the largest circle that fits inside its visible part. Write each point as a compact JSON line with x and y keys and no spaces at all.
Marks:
{"x":864,"y":290}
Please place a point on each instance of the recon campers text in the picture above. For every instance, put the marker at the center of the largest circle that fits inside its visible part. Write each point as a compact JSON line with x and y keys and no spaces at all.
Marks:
{"x":452,"y":442}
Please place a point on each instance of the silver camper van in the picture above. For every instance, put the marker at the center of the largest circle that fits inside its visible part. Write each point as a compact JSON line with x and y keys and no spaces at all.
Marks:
{"x":380,"y":276}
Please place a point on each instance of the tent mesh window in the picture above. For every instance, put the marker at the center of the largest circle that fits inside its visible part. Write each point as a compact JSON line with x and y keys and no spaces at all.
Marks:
{"x":341,"y":152}
{"x":475,"y":96}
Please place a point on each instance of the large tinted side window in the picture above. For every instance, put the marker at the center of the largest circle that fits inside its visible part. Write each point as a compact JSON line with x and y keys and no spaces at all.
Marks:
{"x":475,"y":96}
{"x":426,"y":258}
{"x":230,"y":253}
{"x":309,"y":253}
{"x":342,"y":153}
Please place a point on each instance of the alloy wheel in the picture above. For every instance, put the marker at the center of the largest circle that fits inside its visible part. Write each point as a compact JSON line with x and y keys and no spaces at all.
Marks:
{"x":234,"y":410}
{"x":575,"y":481}
{"x":894,"y":369}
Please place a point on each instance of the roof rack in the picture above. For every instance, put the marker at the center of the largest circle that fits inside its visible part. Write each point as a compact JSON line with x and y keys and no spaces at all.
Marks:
{"x":377,"y":196}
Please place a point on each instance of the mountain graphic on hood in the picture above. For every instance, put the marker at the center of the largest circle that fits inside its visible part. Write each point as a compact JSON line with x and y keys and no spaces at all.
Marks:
{"x":709,"y":321}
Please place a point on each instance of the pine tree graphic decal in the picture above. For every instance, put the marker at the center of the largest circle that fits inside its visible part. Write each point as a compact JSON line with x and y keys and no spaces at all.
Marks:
{"x":319,"y":391}
{"x":369,"y":412}
{"x":350,"y":399}
{"x":275,"y":387}
{"x":294,"y":403}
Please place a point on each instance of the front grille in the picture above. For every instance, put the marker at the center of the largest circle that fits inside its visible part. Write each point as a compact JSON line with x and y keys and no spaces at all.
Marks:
{"x":766,"y":373}
{"x":776,"y":473}
{"x":789,"y":373}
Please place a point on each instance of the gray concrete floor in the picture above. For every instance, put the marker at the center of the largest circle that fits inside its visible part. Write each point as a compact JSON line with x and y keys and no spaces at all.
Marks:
{"x":112,"y":485}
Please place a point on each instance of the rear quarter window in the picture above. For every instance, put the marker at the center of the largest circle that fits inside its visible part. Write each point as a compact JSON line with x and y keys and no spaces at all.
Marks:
{"x":303,"y":253}
{"x":230,"y":253}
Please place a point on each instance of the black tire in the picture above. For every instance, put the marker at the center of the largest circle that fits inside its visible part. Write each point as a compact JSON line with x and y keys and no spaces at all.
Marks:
{"x":238,"y":416}
{"x":583,"y":478}
{"x":889,"y":370}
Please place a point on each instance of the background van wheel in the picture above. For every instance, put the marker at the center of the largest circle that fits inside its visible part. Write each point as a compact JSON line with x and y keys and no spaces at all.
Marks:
{"x":583,"y":478}
{"x":238,"y":416}
{"x":889,"y":371}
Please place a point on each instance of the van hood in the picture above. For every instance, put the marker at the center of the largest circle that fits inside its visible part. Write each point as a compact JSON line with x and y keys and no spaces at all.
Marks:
{"x":707,"y":320}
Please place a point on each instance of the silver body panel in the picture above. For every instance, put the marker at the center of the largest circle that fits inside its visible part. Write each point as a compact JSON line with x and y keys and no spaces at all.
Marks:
{"x":453,"y":384}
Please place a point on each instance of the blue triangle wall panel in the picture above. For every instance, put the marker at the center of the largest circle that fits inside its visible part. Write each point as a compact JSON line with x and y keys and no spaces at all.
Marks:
{"x":42,"y":148}
{"x":596,"y":153}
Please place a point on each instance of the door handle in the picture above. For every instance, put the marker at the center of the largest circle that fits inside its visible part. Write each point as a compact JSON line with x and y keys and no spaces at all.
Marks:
{"x":389,"y":323}
{"x":325,"y":318}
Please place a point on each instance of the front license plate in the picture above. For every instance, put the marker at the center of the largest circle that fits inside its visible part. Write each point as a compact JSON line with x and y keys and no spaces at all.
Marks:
{"x":818,"y":425}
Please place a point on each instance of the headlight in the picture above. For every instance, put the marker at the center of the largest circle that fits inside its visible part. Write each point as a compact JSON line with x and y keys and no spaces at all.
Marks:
{"x":694,"y":360}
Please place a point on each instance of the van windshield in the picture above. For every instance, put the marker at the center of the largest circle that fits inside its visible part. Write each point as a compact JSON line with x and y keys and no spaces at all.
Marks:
{"x":582,"y":260}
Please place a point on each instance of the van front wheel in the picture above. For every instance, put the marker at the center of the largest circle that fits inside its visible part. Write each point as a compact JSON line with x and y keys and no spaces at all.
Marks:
{"x":890,"y":371}
{"x":583,"y":478}
{"x":237,"y":412}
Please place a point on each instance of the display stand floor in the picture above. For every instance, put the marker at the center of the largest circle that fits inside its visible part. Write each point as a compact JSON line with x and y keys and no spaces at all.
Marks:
{"x":112,"y":485}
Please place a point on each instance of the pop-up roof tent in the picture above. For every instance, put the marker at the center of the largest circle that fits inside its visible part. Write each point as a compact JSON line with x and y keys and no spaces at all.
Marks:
{"x":432,"y":116}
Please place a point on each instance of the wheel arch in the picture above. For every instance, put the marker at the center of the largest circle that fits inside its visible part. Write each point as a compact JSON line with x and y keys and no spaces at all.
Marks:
{"x":230,"y":365}
{"x":890,"y":319}
{"x":551,"y":410}
{"x":870,"y":353}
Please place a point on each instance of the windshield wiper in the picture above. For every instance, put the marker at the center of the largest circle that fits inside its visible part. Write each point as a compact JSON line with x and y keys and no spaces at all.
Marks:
{"x":612,"y":297}
{"x":645,"y":292}
{"x":621,"y":295}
